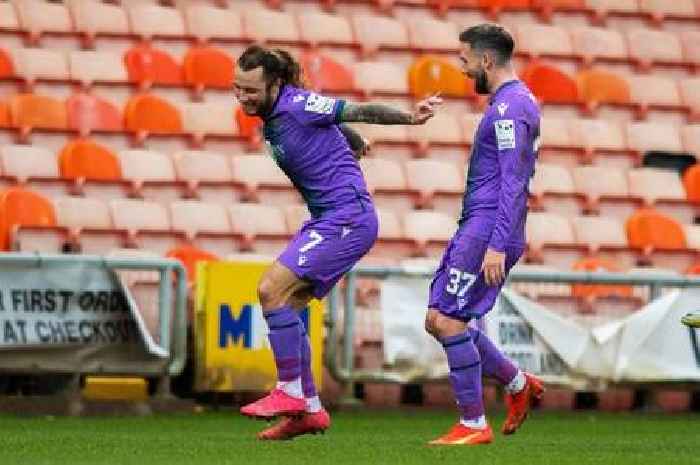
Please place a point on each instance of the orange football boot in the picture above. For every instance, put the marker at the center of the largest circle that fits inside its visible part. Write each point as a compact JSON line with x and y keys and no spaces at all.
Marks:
{"x":519,"y":403}
{"x":291,"y":427}
{"x":461,"y":435}
{"x":275,"y":404}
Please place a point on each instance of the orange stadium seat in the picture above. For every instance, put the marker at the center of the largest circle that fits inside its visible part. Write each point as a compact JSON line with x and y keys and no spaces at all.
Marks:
{"x":190,"y":256}
{"x":88,"y":112}
{"x":433,"y":34}
{"x":325,"y":29}
{"x":88,"y":67}
{"x":32,"y":64}
{"x":86,"y":159}
{"x":147,"y":65}
{"x":263,"y":25}
{"x":690,"y":135}
{"x":149,"y":20}
{"x":28,"y":111}
{"x":152,"y":114}
{"x":208,"y":67}
{"x":18,"y":208}
{"x":380,"y":78}
{"x":375,"y":32}
{"x":593,"y":291}
{"x":430,"y":74}
{"x":97,"y":18}
{"x":8,"y":17}
{"x":205,"y":225}
{"x":648,"y":47}
{"x":323,"y":73}
{"x":264,"y":227}
{"x":206,"y":22}
{"x":690,"y":94}
{"x":38,"y":17}
{"x":549,"y":84}
{"x":691,"y":183}
{"x":537,"y":40}
{"x":649,"y":229}
{"x":597,"y":43}
{"x":249,"y":127}
{"x":208,"y":175}
{"x":598,"y":87}
{"x":6,"y":68}
{"x":4,"y":115}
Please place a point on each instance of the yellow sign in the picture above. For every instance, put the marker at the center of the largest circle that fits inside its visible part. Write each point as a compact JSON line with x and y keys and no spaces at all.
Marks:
{"x":231,"y":346}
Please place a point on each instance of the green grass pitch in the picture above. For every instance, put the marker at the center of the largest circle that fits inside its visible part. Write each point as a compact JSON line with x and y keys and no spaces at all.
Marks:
{"x":362,"y":437}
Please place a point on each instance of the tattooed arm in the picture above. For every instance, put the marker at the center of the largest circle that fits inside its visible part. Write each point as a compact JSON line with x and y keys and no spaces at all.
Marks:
{"x":377,"y":113}
{"x":357,"y":143}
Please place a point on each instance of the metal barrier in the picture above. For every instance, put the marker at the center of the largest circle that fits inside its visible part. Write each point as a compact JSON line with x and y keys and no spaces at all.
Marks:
{"x":172,"y":333}
{"x":345,"y":370}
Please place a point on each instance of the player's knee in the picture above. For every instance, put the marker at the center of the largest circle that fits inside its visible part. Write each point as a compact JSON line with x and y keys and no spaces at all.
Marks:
{"x":431,"y":325}
{"x":267,"y":294}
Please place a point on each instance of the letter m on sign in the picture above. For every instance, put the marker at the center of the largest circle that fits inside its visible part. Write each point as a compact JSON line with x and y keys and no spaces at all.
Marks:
{"x":234,"y":328}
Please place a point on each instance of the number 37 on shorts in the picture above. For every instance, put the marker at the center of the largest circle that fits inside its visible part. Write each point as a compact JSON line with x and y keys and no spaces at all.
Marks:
{"x":459,"y":282}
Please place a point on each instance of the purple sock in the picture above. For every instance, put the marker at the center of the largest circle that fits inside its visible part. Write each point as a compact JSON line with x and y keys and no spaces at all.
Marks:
{"x":307,"y":376}
{"x":465,"y":374}
{"x":285,"y":339}
{"x":493,"y":363}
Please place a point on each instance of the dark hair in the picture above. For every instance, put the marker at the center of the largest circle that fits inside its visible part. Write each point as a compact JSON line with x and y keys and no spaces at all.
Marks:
{"x":276,"y":64}
{"x":491,"y":37}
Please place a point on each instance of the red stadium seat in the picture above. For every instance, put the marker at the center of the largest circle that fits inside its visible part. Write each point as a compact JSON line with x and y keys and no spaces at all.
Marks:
{"x":151,"y":114}
{"x":249,"y":127}
{"x":602,"y":87}
{"x":19,"y":207}
{"x":6,"y":68}
{"x":594,"y":291}
{"x":190,"y":257}
{"x":549,"y":84}
{"x":85,"y":159}
{"x":147,"y":66}
{"x":4,"y":115}
{"x":87,"y":112}
{"x":691,"y":183}
{"x":430,"y":74}
{"x":325,"y":74}
{"x":648,"y":228}
{"x":208,"y":67}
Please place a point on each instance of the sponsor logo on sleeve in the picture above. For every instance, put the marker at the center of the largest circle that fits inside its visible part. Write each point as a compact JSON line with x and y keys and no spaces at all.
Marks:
{"x":505,"y":134}
{"x":319,"y":104}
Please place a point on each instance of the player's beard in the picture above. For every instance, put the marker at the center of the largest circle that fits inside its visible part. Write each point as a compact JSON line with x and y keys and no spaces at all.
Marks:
{"x":481,"y":83}
{"x":265,"y":107}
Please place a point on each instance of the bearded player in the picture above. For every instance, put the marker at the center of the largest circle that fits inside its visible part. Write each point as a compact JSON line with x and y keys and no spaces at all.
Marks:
{"x":490,"y":238}
{"x":310,"y":143}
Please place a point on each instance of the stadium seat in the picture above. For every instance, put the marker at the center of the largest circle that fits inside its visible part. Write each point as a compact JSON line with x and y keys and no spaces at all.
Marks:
{"x":32,"y":64}
{"x":690,"y":134}
{"x":433,"y":179}
{"x":548,"y":7}
{"x":384,"y":133}
{"x":386,"y":181}
{"x":605,"y":7}
{"x":470,"y":124}
{"x":206,"y":22}
{"x":8,"y":17}
{"x":552,"y":188}
{"x":390,"y":244}
{"x":690,"y":95}
{"x":555,"y":133}
{"x":661,"y":9}
{"x":592,"y":292}
{"x":295,"y":216}
{"x":654,"y":136}
{"x":325,"y":74}
{"x":692,"y":240}
{"x":655,"y":92}
{"x":96,"y":18}
{"x":598,"y":135}
{"x":86,"y":162}
{"x":208,"y":67}
{"x":27,"y":221}
{"x":209,"y":175}
{"x":429,"y":231}
{"x":652,"y":184}
{"x":206,"y":225}
{"x":87,"y":112}
{"x":443,"y":128}
{"x":599,"y":233}
{"x":691,"y":183}
{"x":147,"y":65}
{"x":539,"y":290}
{"x":602,"y":183}
{"x":380,"y":78}
{"x":548,"y":231}
{"x":431,"y":74}
{"x":375,"y":32}
{"x":7,"y":69}
{"x":264,"y":228}
{"x":598,"y":87}
{"x":89,"y":67}
{"x":595,"y":43}
{"x":148,"y":20}
{"x":206,"y":119}
{"x":648,"y":47}
{"x":324,"y":29}
{"x":262,"y":179}
{"x":31,"y":167}
{"x":649,"y":229}
{"x":89,"y":224}
{"x":263,"y":25}
{"x":152,"y":175}
{"x":147,"y":224}
{"x":38,"y":17}
{"x":494,"y":7}
{"x":538,"y":40}
{"x":148,"y":113}
{"x":549,"y":84}
{"x":190,"y":257}
{"x":249,"y":128}
{"x":29,"y":111}
{"x":691,"y":46}
{"x":4,"y":115}
{"x":432,"y":34}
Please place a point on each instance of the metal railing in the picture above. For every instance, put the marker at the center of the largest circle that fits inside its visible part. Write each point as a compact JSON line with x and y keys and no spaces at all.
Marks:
{"x":342,"y":368}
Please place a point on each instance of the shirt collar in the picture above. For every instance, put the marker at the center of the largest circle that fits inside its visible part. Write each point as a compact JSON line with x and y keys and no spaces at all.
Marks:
{"x":501,"y":88}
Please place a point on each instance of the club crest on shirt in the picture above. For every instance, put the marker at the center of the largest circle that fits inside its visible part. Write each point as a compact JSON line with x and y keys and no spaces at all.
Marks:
{"x":505,"y":134}
{"x":298,"y":98}
{"x":502,"y":107}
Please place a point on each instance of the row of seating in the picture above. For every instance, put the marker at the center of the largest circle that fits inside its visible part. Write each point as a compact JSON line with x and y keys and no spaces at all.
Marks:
{"x":370,"y":32}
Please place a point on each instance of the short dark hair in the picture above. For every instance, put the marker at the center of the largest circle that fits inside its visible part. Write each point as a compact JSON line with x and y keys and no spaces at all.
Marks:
{"x":276,"y":64}
{"x":491,"y":37}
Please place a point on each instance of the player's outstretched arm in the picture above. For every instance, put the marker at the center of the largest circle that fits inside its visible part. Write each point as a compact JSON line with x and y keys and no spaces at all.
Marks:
{"x":359,"y":145}
{"x":378,"y":113}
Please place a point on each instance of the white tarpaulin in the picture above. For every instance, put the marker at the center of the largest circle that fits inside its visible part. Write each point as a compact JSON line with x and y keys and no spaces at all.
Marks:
{"x":648,"y":345}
